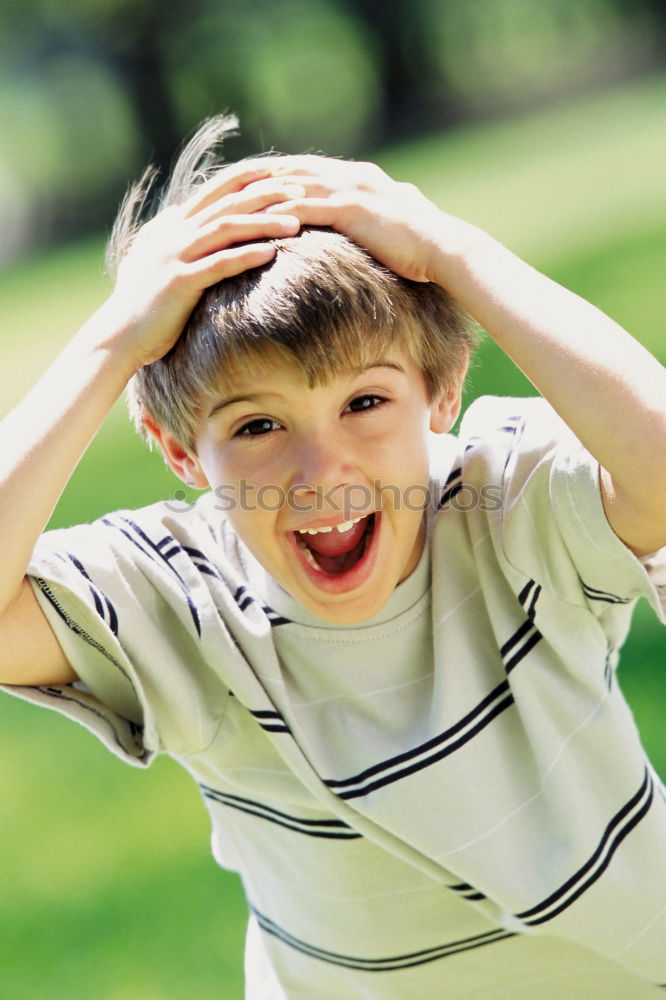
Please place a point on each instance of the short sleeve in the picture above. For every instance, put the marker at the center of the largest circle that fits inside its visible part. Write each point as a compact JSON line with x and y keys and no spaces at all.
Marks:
{"x":608,"y":570}
{"x":552,"y":524}
{"x":128,"y":607}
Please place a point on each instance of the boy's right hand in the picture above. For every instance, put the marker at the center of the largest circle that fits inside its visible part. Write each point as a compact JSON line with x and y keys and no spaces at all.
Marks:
{"x":218,"y":232}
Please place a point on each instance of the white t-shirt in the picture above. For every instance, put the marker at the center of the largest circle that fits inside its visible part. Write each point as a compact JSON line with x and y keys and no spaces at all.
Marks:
{"x":450,"y":799}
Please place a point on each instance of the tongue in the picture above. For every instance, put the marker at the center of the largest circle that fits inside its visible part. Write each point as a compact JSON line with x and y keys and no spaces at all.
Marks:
{"x":336,"y":543}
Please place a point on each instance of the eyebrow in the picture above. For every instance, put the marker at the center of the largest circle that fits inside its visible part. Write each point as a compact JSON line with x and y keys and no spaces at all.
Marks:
{"x":246,"y":397}
{"x":378,"y":364}
{"x":254,"y":397}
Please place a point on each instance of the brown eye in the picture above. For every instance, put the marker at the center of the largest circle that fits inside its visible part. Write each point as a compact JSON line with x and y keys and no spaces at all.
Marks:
{"x":367,"y":402}
{"x":255,"y":428}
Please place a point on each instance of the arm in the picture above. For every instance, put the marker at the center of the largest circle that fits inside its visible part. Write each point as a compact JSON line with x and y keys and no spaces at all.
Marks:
{"x":174,"y":258}
{"x":608,"y":388}
{"x":602,"y":382}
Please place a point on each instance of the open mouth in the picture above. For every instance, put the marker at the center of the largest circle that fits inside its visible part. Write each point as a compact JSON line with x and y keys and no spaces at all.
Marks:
{"x":333,"y":556}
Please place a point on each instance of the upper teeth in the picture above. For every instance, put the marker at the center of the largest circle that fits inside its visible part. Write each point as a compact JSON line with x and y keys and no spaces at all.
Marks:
{"x":345,"y":526}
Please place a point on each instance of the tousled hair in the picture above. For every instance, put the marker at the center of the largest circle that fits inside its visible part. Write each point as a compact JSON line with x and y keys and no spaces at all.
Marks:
{"x":322,"y":303}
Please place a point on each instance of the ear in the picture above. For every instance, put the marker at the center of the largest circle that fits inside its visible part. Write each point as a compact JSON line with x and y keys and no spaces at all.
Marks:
{"x":185,"y":465}
{"x":445,"y":408}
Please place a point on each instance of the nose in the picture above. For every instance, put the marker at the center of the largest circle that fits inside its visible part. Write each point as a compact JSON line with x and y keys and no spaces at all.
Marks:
{"x":321,"y":468}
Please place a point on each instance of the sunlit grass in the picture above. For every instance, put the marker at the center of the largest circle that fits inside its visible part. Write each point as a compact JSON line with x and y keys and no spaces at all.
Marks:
{"x":108,"y":889}
{"x":549,"y":185}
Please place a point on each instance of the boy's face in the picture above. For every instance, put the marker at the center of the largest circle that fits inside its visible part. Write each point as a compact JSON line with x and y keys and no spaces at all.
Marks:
{"x":285,"y":458}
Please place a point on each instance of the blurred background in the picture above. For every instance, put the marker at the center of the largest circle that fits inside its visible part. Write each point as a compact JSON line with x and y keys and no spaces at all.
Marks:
{"x":541,"y":120}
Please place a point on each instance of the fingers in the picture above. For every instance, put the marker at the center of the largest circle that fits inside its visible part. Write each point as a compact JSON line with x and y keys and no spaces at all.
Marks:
{"x":313,"y":187}
{"x":263,"y":199}
{"x":228,"y":230}
{"x":334,"y":173}
{"x":251,"y":185}
{"x":256,"y":197}
{"x":234,"y":260}
{"x":311,"y":212}
{"x":333,"y":190}
{"x":226,"y":181}
{"x":310,"y":165}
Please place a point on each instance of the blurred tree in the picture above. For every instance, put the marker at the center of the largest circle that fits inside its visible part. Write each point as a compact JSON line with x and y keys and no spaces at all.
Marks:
{"x":94,"y":89}
{"x":165,"y":66}
{"x":500,"y":55}
{"x":656,"y":13}
{"x":137,"y":38}
{"x":74,"y":68}
{"x":400,"y":39}
{"x":298,"y":73}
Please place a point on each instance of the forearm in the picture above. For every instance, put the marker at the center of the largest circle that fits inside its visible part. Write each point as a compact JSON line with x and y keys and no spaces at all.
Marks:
{"x":221,"y":230}
{"x":608,"y":388}
{"x":44,"y":438}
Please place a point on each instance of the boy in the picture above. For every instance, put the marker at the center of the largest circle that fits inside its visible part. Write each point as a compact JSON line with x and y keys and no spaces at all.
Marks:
{"x":386,"y":659}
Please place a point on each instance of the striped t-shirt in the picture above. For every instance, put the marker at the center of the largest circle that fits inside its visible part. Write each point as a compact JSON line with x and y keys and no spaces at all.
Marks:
{"x":450,"y":799}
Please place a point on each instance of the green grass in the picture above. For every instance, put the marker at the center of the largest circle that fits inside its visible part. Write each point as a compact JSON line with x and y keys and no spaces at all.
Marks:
{"x":107,"y":889}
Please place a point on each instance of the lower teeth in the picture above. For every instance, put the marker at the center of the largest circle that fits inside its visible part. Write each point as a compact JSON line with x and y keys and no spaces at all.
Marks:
{"x":309,"y":558}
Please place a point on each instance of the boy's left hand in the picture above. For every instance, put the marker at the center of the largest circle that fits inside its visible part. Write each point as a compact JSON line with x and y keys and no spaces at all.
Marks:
{"x":394,"y":221}
{"x":603,"y":383}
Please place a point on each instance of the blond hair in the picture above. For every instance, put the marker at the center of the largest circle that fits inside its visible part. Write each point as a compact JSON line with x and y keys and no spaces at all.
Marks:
{"x":323,"y":303}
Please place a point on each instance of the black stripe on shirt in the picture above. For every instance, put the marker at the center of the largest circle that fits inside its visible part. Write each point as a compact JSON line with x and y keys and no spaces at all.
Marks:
{"x":449,"y":494}
{"x":198,"y":559}
{"x":528,"y":635}
{"x":608,"y":668}
{"x":333,"y":829}
{"x":435,"y":749}
{"x":274,"y":617}
{"x":244,"y":599}
{"x":272,"y":722}
{"x":466,"y":891}
{"x":452,"y":487}
{"x":98,"y":596}
{"x":530,"y":595}
{"x":601,"y":595}
{"x":511,"y":425}
{"x":621,"y":825}
{"x":531,"y":611}
{"x":201,"y":561}
{"x":76,"y":628}
{"x":525,"y":638}
{"x":388,"y":964}
{"x":204,"y":565}
{"x":139,"y":536}
{"x":68,"y":695}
